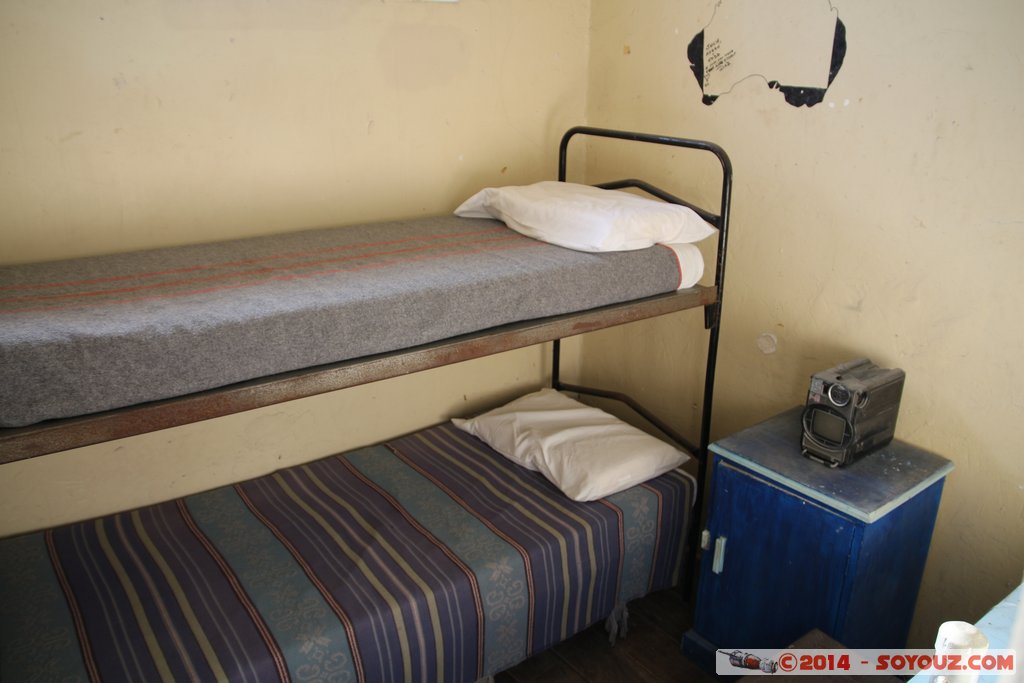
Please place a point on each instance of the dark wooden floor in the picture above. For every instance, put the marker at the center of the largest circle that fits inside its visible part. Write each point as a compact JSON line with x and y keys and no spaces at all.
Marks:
{"x":649,"y":653}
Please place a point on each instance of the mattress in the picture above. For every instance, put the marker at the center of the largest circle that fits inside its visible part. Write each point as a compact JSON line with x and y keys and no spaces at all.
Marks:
{"x":429,"y":557}
{"x":92,"y":334}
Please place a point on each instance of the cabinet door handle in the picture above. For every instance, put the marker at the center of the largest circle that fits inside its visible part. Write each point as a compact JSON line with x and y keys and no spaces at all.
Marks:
{"x":718,"y":560}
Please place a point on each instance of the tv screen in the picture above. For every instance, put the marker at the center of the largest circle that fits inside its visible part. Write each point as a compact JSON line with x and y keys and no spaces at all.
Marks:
{"x":827,"y":426}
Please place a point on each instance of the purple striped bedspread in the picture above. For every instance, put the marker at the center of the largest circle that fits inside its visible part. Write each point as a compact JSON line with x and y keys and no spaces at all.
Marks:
{"x":427,"y":558}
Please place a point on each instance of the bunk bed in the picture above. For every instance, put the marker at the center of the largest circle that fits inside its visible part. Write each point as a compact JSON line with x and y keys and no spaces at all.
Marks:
{"x":441,"y":555}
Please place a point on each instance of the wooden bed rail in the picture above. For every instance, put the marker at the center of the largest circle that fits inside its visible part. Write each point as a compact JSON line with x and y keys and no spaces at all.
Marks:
{"x":51,"y":436}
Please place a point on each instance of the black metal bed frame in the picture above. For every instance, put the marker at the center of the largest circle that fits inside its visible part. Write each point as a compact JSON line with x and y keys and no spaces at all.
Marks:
{"x":712,"y":311}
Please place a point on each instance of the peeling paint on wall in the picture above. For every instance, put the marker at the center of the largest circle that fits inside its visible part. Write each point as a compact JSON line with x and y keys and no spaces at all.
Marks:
{"x":767,"y":343}
{"x":795,"y":46}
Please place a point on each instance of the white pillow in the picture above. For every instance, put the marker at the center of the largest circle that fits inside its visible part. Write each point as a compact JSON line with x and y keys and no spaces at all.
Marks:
{"x":584,"y":451}
{"x":587,"y":218}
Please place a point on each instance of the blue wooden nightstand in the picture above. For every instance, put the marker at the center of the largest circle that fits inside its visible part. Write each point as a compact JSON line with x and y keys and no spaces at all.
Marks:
{"x":791,"y":545}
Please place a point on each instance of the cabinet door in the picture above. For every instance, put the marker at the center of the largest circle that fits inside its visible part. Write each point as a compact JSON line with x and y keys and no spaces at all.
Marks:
{"x":782,"y":567}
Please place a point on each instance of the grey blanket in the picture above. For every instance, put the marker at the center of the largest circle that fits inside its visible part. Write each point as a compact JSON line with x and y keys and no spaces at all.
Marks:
{"x":92,"y":334}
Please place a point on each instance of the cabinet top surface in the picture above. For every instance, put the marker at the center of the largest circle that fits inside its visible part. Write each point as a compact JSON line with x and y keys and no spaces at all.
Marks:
{"x":867,"y":489}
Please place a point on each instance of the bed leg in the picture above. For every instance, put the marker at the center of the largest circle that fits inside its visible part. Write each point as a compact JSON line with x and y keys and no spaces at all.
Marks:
{"x":617,"y":623}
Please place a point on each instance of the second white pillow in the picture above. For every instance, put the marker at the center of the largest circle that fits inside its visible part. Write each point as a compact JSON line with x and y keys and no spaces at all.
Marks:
{"x":586,"y":452}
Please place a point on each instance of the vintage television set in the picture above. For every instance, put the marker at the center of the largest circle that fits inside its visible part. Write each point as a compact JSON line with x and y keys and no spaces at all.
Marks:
{"x":851,"y":410}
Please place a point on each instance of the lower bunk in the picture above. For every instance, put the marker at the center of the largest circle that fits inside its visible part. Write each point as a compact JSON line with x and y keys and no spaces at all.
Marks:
{"x":430,"y":557}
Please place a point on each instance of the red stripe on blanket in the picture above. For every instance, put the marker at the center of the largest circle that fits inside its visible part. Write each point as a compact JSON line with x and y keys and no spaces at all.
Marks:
{"x":456,"y":560}
{"x":240,"y":274}
{"x":519,"y":548}
{"x":241,"y":262}
{"x":343,"y":617}
{"x":85,"y":647}
{"x":257,"y":619}
{"x":276,"y":278}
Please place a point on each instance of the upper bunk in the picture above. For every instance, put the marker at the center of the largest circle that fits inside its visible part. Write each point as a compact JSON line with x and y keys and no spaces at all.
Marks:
{"x":108,"y":347}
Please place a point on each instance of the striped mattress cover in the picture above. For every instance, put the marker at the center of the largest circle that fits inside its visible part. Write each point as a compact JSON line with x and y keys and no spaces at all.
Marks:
{"x":92,"y":334}
{"x":427,"y":558}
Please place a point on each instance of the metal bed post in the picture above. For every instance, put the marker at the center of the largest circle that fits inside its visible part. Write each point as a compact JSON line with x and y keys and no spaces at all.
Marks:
{"x":712,"y":311}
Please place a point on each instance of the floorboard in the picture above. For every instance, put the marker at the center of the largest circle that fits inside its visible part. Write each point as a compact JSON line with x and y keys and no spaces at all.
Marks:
{"x":648,"y":654}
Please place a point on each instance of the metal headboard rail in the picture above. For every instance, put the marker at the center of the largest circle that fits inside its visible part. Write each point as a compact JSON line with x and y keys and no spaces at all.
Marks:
{"x":636,"y":407}
{"x":711,"y":218}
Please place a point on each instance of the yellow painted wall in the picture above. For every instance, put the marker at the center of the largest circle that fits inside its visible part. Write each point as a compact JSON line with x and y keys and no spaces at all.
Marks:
{"x":884,"y":222}
{"x":152,"y":122}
